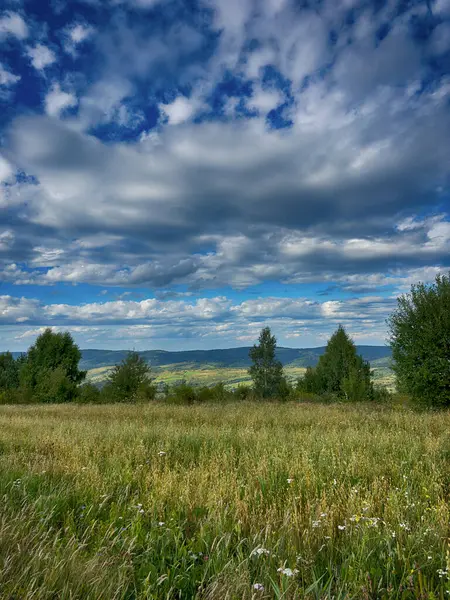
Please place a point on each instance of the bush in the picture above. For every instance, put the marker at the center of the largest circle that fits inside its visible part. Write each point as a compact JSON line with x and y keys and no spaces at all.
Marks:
{"x":242,"y":392}
{"x":420,"y":340}
{"x":89,"y":393}
{"x":182,"y":394}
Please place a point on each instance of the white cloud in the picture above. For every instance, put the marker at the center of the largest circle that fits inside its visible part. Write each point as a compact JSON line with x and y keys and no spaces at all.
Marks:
{"x":6,"y":169}
{"x":6,"y":240}
{"x":17,"y":310}
{"x":265,"y":100}
{"x":179,"y":111}
{"x":13,"y":24}
{"x":57,"y":100}
{"x":79,"y":33}
{"x":41,"y":56}
{"x":7,"y":78}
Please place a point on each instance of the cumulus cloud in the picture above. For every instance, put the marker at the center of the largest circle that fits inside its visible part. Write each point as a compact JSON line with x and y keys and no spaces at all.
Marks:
{"x":300,"y":146}
{"x":12,"y":24}
{"x":7,"y":78}
{"x":178,"y":111}
{"x":41,"y":56}
{"x":57,"y":100}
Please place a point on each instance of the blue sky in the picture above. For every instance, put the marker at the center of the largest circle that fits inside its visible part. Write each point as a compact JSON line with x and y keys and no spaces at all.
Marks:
{"x":177,"y":174}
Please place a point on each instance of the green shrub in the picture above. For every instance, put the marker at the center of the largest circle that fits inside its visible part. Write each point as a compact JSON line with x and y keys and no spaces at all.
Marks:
{"x":242,"y":392}
{"x":89,"y":393}
{"x":182,"y":394}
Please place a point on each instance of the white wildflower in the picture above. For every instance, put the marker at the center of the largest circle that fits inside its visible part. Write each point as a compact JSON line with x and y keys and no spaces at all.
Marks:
{"x":162,"y":453}
{"x":288,"y":572}
{"x":258,"y":587}
{"x":341,"y":527}
{"x":290,"y":480}
{"x":260,"y":551}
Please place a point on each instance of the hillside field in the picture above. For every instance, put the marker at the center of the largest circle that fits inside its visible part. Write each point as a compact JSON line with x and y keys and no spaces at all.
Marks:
{"x":231,"y":376}
{"x":235,"y":501}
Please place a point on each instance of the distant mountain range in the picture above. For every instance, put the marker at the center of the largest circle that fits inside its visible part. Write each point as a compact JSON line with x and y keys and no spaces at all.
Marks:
{"x":228,"y":358}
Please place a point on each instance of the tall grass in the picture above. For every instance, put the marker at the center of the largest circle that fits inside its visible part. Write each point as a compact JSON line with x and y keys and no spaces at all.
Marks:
{"x":224,"y":502}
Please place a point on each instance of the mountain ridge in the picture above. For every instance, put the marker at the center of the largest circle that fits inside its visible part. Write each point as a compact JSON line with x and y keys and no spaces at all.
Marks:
{"x":229,"y":357}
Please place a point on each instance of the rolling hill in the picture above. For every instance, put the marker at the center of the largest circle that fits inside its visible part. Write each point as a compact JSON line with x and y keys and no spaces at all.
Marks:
{"x":227,"y":358}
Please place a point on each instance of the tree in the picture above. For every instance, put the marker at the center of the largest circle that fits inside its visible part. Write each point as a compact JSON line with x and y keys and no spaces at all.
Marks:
{"x":340,"y":371}
{"x":266,"y":371}
{"x":130,"y":380}
{"x":9,"y":372}
{"x":50,"y":371}
{"x":419,"y":333}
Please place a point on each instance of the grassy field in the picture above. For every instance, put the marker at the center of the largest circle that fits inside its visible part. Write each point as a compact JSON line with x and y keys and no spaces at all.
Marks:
{"x":224,"y":502}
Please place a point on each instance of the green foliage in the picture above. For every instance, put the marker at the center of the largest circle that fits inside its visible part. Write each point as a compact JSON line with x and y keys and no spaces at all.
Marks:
{"x":50,"y":371}
{"x":9,"y":372}
{"x":341,"y":372}
{"x":54,"y":385}
{"x":420,"y":340}
{"x":182,"y":394}
{"x":130,"y":381}
{"x":266,"y":371}
{"x":89,"y":393}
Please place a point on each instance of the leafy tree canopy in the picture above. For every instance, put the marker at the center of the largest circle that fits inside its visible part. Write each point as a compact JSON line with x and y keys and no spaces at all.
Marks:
{"x":419,"y":332}
{"x":340,"y":371}
{"x":130,"y":380}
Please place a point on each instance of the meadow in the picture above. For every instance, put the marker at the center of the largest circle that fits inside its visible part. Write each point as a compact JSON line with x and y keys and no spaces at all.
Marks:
{"x":234,"y":501}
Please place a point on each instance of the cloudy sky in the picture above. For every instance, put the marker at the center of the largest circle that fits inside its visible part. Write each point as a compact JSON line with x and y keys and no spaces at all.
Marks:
{"x":178,"y":173}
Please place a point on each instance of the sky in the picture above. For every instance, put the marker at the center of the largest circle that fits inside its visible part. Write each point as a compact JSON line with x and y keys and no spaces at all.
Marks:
{"x":177,"y":174}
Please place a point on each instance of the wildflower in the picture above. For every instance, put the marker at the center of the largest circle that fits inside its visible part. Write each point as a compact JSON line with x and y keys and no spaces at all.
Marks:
{"x":162,"y":453}
{"x":405,"y":526}
{"x":141,"y":511}
{"x":323,"y":515}
{"x":430,"y":557}
{"x":289,"y":480}
{"x":288,"y":572}
{"x":260,"y":551}
{"x":161,"y":524}
{"x":334,"y":482}
{"x":316,"y":524}
{"x":258,"y":587}
{"x":341,"y":527}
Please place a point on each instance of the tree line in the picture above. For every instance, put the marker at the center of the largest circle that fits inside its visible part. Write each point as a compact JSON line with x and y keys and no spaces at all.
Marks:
{"x":419,"y":335}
